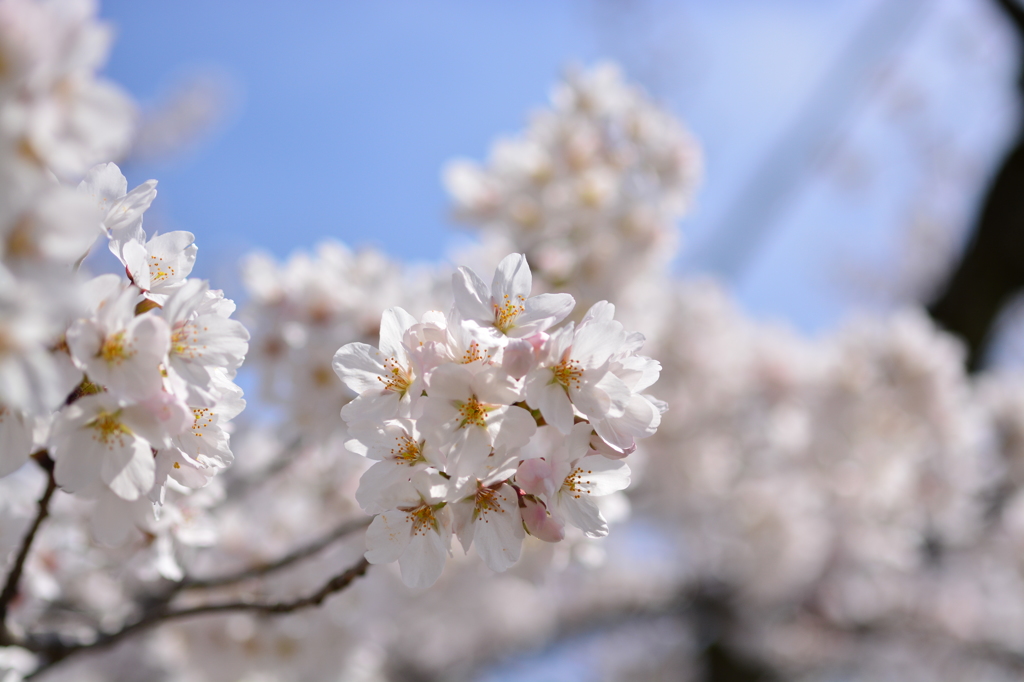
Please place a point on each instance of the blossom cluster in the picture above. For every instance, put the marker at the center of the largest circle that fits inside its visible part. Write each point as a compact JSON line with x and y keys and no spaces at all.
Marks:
{"x":490,"y":422}
{"x":591,"y":191}
{"x":123,"y":384}
{"x":850,"y":505}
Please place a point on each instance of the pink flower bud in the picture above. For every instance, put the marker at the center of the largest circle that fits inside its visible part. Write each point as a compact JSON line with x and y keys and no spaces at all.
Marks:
{"x":539,"y":523}
{"x":518,"y":358}
{"x":536,"y":476}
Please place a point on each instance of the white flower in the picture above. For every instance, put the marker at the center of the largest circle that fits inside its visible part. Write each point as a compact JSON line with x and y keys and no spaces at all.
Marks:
{"x":120,"y":211}
{"x":400,"y":452}
{"x":121,"y":350}
{"x":573,"y":372}
{"x":418,"y":534}
{"x":202,"y":336}
{"x":207,"y":441}
{"x":469,"y":411}
{"x":383,"y":378}
{"x":569,"y":479}
{"x":99,"y":439}
{"x":160,"y":266}
{"x":490,"y":517}
{"x":506,"y":307}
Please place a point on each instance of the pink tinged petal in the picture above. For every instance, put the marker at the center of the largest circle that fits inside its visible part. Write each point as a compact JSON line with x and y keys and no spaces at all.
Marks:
{"x":422,"y":562}
{"x":583,"y":513}
{"x":134,"y":257}
{"x":608,"y":396}
{"x":537,"y":477}
{"x":393,"y":325}
{"x":611,"y":451}
{"x":357,"y":447}
{"x":641,"y":419}
{"x":438,"y":421}
{"x":601,"y":476}
{"x":462,"y":515}
{"x":212,"y":340}
{"x":493,"y":385}
{"x":469,"y":451}
{"x":84,"y":339}
{"x":648,"y":369}
{"x":512,"y":278}
{"x":542,"y":312}
{"x":359,"y":366}
{"x":106,"y":184}
{"x":518,"y":357}
{"x":600,"y":311}
{"x":595,"y":343}
{"x":371,"y":406}
{"x":451,"y":382}
{"x":499,"y":530}
{"x":388,"y":536}
{"x":499,"y":466}
{"x":174,"y":463}
{"x":577,"y":445}
{"x":148,"y":338}
{"x":135,"y":477}
{"x":180,"y":306}
{"x":159,"y":416}
{"x":472,"y":296}
{"x":548,"y":396}
{"x":539,"y":523}
{"x":516,"y":428}
{"x":170,"y":257}
{"x":432,"y":487}
{"x":383,"y":485}
{"x":15,"y":440}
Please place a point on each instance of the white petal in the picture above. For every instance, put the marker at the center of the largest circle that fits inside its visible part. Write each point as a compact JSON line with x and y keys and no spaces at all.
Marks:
{"x":388,"y":536}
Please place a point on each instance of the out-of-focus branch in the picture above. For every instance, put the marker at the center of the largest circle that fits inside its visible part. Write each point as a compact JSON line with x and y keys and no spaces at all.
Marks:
{"x":10,"y":590}
{"x":1014,"y":12}
{"x":54,"y":653}
{"x":991,"y":270}
{"x":287,"y":560}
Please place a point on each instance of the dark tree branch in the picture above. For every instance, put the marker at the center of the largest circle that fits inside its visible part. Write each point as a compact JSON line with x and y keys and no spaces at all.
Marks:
{"x":55,"y":653}
{"x":287,"y":560}
{"x":991,"y":270}
{"x":10,"y":590}
{"x":1014,"y":12}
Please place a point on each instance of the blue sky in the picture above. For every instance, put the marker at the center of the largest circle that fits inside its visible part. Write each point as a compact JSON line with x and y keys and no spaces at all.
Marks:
{"x":341,"y":115}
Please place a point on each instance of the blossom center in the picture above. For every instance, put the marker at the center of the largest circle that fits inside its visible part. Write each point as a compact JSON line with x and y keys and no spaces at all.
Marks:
{"x":486,"y":502}
{"x":568,"y":373}
{"x":158,"y":270}
{"x":473,"y":354}
{"x":575,"y":483}
{"x":115,"y":350}
{"x":182,"y":344}
{"x":396,"y":378}
{"x":203,"y":418}
{"x":109,"y":428}
{"x":505,"y":314}
{"x":406,"y":451}
{"x":423,"y":520}
{"x":473,"y":412}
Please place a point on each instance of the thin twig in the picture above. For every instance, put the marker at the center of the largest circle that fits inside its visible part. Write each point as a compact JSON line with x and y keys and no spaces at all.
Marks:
{"x":10,"y":590}
{"x":285,"y":561}
{"x":54,"y":653}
